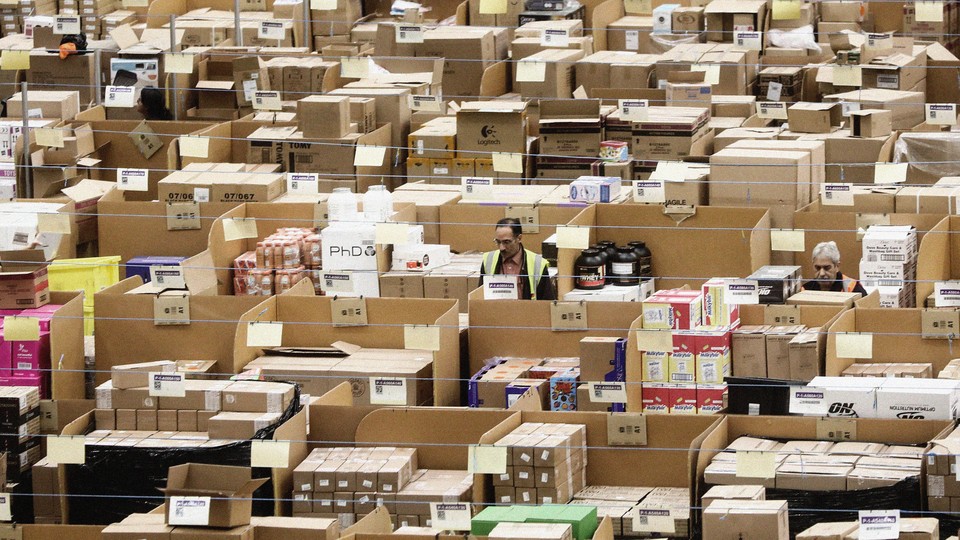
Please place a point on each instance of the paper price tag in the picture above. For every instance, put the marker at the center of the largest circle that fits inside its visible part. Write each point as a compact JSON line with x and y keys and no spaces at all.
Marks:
{"x":409,"y":33}
{"x":388,"y":391}
{"x":947,"y":293}
{"x":879,"y":525}
{"x":626,"y":429}
{"x":195,"y":147}
{"x":264,"y":334}
{"x":776,"y":110}
{"x":305,"y":183}
{"x":508,"y":162}
{"x":654,"y":520}
{"x":354,"y":68}
{"x":837,"y":429}
{"x":555,"y":37}
{"x":127,"y":4}
{"x":531,"y":71}
{"x":5,"y":513}
{"x":189,"y":511}
{"x":167,"y":384}
{"x":756,"y":464}
{"x":642,"y":7}
{"x":607,"y":392}
{"x":337,"y":282}
{"x":774,"y":89}
{"x":119,"y":97}
{"x":426,"y":103}
{"x":369,"y":156}
{"x":473,"y":187}
{"x":890,"y":173}
{"x":133,"y":179}
{"x":239,"y":229}
{"x":785,"y":10}
{"x":66,"y":450}
{"x":500,"y":287}
{"x":487,"y":459}
{"x":941,"y":114}
{"x":573,"y":237}
{"x":493,"y":7}
{"x":348,"y":311}
{"x":654,"y":340}
{"x":391,"y":233}
{"x":568,"y":316}
{"x":741,"y":291}
{"x":450,"y":516}
{"x":270,"y":454}
{"x":178,"y":63}
{"x":670,"y":171}
{"x":171,"y":310}
{"x":271,"y":30}
{"x":66,"y":24}
{"x":14,"y":59}
{"x":55,"y":223}
{"x":854,"y":345}
{"x":649,"y":192}
{"x":749,"y":40}
{"x":807,"y":400}
{"x":836,"y":194}
{"x":847,"y":76}
{"x":634,"y":110}
{"x":711,"y":72}
{"x":880,"y":41}
{"x":323,"y":5}
{"x":183,"y":216}
{"x":788,"y":240}
{"x":528,"y":216}
{"x":267,"y":100}
{"x":928,"y":11}
{"x":21,"y":328}
{"x":168,"y":277}
{"x":426,"y":337}
{"x":52,"y":137}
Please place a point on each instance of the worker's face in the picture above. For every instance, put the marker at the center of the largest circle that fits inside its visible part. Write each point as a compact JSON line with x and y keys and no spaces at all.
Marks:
{"x":825,"y":269}
{"x":507,"y":243}
{"x":141,"y":108}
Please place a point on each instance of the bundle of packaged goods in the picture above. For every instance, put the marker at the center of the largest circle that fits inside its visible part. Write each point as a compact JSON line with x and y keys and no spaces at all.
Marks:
{"x":878,"y":397}
{"x":925,"y":528}
{"x":628,"y":507}
{"x":258,"y":527}
{"x":562,"y":384}
{"x":280,"y":261}
{"x":20,"y":424}
{"x":778,"y":352}
{"x":943,"y":492}
{"x":222,"y":182}
{"x":25,"y":360}
{"x":546,"y":464}
{"x":607,"y":272}
{"x":906,"y":371}
{"x":581,"y":519}
{"x":319,"y":370}
{"x":348,"y":483}
{"x":453,"y":280}
{"x":889,"y":264}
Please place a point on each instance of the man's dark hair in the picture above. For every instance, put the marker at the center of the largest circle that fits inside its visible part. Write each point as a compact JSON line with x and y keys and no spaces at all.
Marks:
{"x":513,"y":223}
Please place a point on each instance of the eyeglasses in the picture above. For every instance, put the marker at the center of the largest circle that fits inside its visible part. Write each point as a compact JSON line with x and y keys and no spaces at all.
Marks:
{"x":507,"y":242}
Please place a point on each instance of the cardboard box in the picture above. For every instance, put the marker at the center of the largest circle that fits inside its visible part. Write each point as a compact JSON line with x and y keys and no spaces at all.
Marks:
{"x":829,"y":531}
{"x":814,"y":117}
{"x":558,"y":77}
{"x":734,"y":519}
{"x":324,"y":117}
{"x":750,"y":351}
{"x":229,"y":487}
{"x":23,"y":279}
{"x":870,"y":123}
{"x":805,"y":351}
{"x":138,"y":375}
{"x":491,"y":126}
{"x":570,"y":127}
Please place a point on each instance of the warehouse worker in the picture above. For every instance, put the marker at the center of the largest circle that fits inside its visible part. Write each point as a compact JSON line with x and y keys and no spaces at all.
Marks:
{"x":826,"y":266}
{"x":151,"y":105}
{"x":512,"y":259}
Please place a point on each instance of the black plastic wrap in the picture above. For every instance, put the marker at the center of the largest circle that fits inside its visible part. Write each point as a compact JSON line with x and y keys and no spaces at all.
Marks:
{"x":116,"y":482}
{"x":949,"y":524}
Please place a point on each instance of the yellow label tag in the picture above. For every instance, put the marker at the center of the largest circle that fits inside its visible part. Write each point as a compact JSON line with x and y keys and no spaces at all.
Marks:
{"x":421,"y":336}
{"x":788,"y":240}
{"x":786,"y":10}
{"x":195,"y":147}
{"x":711,"y":72}
{"x":53,"y":223}
{"x":323,"y":5}
{"x":493,"y":7}
{"x":573,"y":237}
{"x":354,"y":68}
{"x":508,"y":162}
{"x":756,"y":464}
{"x":369,"y":156}
{"x":178,"y":63}
{"x":239,"y":228}
{"x":639,"y":7}
{"x":15,"y":60}
{"x":264,"y":334}
{"x":270,"y":454}
{"x":847,"y":76}
{"x":655,"y":340}
{"x":392,"y":233}
{"x":66,"y":450}
{"x":21,"y":329}
{"x":531,"y":71}
{"x":890,"y":173}
{"x":855,"y":345}
{"x":929,"y":11}
{"x":485,"y":459}
{"x":51,"y":137}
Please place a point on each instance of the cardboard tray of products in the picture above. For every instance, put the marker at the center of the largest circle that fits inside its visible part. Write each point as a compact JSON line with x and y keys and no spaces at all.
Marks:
{"x":939,"y":256}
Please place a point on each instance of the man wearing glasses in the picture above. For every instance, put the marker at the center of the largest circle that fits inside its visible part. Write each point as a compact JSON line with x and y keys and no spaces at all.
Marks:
{"x":511,"y":259}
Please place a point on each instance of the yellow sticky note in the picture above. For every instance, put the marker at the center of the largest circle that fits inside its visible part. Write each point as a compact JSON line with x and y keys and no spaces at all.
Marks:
{"x":239,"y":228}
{"x":855,"y":345}
{"x":485,"y":459}
{"x":354,"y":68}
{"x":639,"y":7}
{"x":788,"y":240}
{"x":66,"y":449}
{"x":655,"y":341}
{"x":531,"y":71}
{"x":756,"y":464}
{"x":847,"y":76}
{"x":506,"y":162}
{"x":493,"y":7}
{"x":784,"y":10}
{"x":134,"y":3}
{"x":392,"y":233}
{"x":15,"y":60}
{"x":323,"y":5}
{"x":929,"y":11}
{"x":890,"y":173}
{"x":271,"y":454}
{"x":421,"y":336}
{"x":264,"y":334}
{"x":573,"y":237}
{"x":21,"y":329}
{"x":52,"y":137}
{"x":53,"y":223}
{"x":711,"y":72}
{"x":195,"y":147}
{"x":369,"y":156}
{"x":178,"y":63}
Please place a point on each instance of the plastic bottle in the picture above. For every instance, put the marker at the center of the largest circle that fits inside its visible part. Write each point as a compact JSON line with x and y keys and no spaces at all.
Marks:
{"x":378,"y":203}
{"x":342,"y":206}
{"x":609,"y":251}
{"x":644,"y":259}
{"x":589,"y":270}
{"x":624,"y":268}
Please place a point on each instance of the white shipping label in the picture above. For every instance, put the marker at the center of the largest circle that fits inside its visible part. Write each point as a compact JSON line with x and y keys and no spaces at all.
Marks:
{"x":409,"y":33}
{"x":450,"y":516}
{"x":749,"y":40}
{"x":607,"y":392}
{"x":119,"y":96}
{"x":741,"y":291}
{"x":189,"y":511}
{"x":941,"y":114}
{"x":165,"y":384}
{"x":500,"y":287}
{"x":271,"y":30}
{"x":634,"y":110}
{"x":168,"y":277}
{"x":473,"y":187}
{"x":832,"y":194}
{"x":305,"y":183}
{"x":66,"y":25}
{"x":133,"y":179}
{"x":879,"y":525}
{"x":555,"y":37}
{"x":774,"y":90}
{"x":947,"y":293}
{"x":649,"y":191}
{"x":388,"y":391}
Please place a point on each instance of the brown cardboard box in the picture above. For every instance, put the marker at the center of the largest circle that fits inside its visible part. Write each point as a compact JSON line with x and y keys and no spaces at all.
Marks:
{"x":748,"y":178}
{"x":401,"y":285}
{"x":750,"y":351}
{"x":491,"y":126}
{"x":285,"y":528}
{"x":127,"y":419}
{"x":558,"y":74}
{"x":805,"y":351}
{"x":630,"y":33}
{"x":907,"y":107}
{"x":244,"y":532}
{"x":746,"y":493}
{"x":778,"y":350}
{"x":687,"y":19}
{"x":137,"y":531}
{"x":64,"y":105}
{"x":133,"y":398}
{"x":138,"y":375}
{"x":737,"y":519}
{"x":229,"y":487}
{"x":23,"y":279}
{"x":257,"y":396}
{"x":146,"y":420}
{"x":688,"y":89}
{"x":187,"y":420}
{"x":870,"y":123}
{"x":725,"y":16}
{"x":363,"y":112}
{"x":814,"y":117}
{"x":324,"y":117}
{"x":829,"y":531}
{"x":435,"y":140}
{"x":167,"y":421}
{"x":477,"y":45}
{"x":824,"y":298}
{"x":570,"y":127}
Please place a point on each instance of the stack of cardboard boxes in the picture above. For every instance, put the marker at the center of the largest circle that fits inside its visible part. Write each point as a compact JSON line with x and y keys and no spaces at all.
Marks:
{"x":877,"y":397}
{"x":889,"y":264}
{"x":222,"y":182}
{"x":546,"y":464}
{"x":626,"y":505}
{"x":453,"y":280}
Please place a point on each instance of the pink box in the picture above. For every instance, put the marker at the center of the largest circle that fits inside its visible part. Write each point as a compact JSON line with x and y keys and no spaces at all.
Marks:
{"x":30,"y":357}
{"x":5,"y":357}
{"x":684,"y":341}
{"x":671,"y":309}
{"x":683,"y":398}
{"x":710,"y":398}
{"x":39,"y":380}
{"x":656,"y":398}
